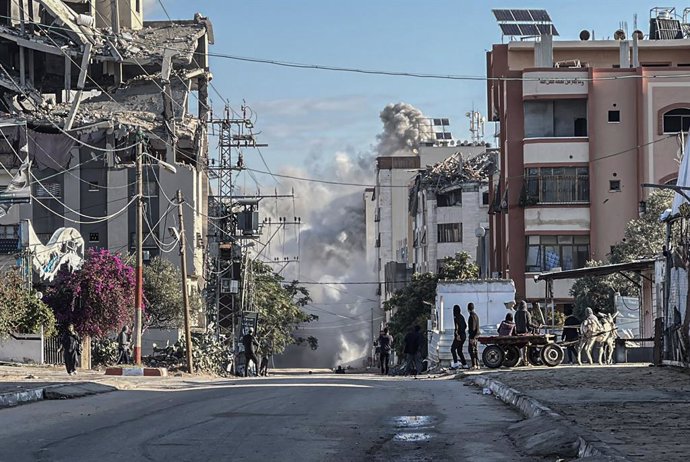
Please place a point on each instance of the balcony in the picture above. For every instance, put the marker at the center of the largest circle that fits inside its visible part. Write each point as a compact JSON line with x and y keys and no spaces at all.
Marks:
{"x":555,"y":189}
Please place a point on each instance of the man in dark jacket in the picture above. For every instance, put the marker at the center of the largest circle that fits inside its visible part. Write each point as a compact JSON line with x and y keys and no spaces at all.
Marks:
{"x":413,"y":341}
{"x":70,"y":345}
{"x":523,"y":320}
{"x":459,"y":337}
{"x":385,"y":345}
{"x":571,"y":334}
{"x":473,"y":333}
{"x":250,"y":344}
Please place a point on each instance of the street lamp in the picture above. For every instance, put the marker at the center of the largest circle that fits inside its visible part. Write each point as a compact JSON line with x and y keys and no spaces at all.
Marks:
{"x":139,"y":287}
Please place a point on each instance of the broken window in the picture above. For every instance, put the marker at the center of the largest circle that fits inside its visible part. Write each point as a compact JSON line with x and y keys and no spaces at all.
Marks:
{"x":555,"y":118}
{"x":46,"y":190}
{"x":449,"y":199}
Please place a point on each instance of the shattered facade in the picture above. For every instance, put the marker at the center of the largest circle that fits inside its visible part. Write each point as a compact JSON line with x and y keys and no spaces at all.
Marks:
{"x":448,"y":203}
{"x":89,"y":83}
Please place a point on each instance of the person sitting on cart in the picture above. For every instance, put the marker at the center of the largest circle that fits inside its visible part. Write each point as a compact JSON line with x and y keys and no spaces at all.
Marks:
{"x":523,"y":321}
{"x":507,"y":326}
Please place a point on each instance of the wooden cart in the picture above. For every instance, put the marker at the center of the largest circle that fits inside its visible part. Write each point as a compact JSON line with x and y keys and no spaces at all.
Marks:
{"x":505,"y":350}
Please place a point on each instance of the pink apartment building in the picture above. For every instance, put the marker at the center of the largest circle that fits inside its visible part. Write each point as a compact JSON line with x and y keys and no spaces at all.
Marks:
{"x":582,"y":125}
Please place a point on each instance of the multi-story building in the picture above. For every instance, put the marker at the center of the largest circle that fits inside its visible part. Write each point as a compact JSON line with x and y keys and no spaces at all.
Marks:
{"x":83,"y":100}
{"x":388,"y":204}
{"x":583,"y":125}
{"x":449,"y":204}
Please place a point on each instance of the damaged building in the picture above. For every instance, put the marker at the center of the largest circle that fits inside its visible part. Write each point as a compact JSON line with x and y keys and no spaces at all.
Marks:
{"x":87,"y":86}
{"x":449,"y":204}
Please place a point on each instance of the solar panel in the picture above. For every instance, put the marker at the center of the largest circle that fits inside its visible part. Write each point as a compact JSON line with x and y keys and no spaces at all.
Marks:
{"x":444,"y":122}
{"x":540,"y":15}
{"x":521,"y":15}
{"x":437,"y":122}
{"x":547,"y":29}
{"x":503,"y":15}
{"x":528,"y":29}
{"x":510,"y":29}
{"x":447,"y":136}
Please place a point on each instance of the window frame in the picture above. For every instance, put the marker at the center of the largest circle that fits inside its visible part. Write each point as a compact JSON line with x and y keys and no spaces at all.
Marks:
{"x":550,"y":185}
{"x":554,"y":251}
{"x":448,"y":233}
{"x":683,"y":113}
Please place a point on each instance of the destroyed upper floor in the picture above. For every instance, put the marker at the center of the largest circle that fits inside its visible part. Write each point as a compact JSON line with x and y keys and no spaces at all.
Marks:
{"x":71,"y":64}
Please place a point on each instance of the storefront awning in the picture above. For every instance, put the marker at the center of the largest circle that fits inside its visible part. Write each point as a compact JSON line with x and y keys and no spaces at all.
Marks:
{"x":634,"y":266}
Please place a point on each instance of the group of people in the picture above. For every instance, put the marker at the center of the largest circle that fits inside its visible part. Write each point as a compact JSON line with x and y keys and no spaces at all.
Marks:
{"x":413,"y":342}
{"x":465,"y":330}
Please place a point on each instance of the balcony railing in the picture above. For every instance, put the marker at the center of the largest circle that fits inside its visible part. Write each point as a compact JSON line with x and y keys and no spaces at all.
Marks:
{"x":555,"y":189}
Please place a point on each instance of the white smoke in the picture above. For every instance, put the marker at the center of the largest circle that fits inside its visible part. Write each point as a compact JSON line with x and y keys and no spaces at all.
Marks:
{"x":404,"y":126}
{"x":332,"y":242}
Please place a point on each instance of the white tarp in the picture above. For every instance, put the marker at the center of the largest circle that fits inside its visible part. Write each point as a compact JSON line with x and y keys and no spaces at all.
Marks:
{"x":683,"y":179}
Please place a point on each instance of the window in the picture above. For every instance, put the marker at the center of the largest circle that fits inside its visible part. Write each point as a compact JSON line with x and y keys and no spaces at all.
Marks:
{"x":9,"y":232}
{"x":677,"y":120}
{"x":614,"y":116}
{"x":94,"y":237}
{"x":450,"y":232}
{"x":556,"y":185}
{"x":614,"y":185}
{"x":93,"y":186}
{"x":545,"y":253}
{"x":449,"y":199}
{"x":485,"y":198}
{"x":150,"y":188}
{"x":556,"y":118}
{"x":48,"y":190}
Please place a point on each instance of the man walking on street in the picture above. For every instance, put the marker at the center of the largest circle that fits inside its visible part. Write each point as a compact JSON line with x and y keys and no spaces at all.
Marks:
{"x":459,"y":337}
{"x":473,"y":332}
{"x":412,"y":344}
{"x":123,"y":344}
{"x":385,"y":346}
{"x":250,"y":344}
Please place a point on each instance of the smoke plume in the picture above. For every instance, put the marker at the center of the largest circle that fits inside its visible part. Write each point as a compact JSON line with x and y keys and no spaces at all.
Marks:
{"x":331,"y":243}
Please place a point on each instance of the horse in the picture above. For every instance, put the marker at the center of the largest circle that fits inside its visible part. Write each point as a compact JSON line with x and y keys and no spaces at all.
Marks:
{"x":603,"y":332}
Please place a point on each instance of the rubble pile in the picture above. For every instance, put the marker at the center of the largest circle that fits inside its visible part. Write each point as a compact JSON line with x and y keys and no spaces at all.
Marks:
{"x":456,"y":170}
{"x":210,"y":355}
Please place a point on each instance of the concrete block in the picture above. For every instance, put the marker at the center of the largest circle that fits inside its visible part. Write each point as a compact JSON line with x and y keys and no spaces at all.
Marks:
{"x":76,"y":391}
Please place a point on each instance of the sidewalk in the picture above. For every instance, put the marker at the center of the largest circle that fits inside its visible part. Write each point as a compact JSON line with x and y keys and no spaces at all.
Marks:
{"x":640,"y":412}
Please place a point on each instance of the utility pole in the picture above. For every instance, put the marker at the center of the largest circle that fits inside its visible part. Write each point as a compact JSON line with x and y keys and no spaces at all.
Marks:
{"x":138,"y":297}
{"x":185,"y":290}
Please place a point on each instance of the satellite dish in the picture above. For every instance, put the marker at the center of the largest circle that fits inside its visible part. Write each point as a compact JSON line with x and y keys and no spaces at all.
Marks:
{"x":619,"y":34}
{"x":639,"y":34}
{"x":584,"y":35}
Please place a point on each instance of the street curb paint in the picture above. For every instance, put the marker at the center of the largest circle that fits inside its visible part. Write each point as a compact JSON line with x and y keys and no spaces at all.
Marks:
{"x":588,"y":444}
{"x":21,"y":397}
{"x":137,"y":371}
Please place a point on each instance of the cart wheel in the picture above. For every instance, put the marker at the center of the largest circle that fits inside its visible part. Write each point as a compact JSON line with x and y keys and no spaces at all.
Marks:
{"x":493,"y":356}
{"x":552,"y":355}
{"x":534,"y":355}
{"x":512,"y":356}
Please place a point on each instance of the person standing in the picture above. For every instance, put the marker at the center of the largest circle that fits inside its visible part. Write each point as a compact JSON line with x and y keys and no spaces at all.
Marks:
{"x":412,"y":344}
{"x":124,"y":342}
{"x":385,"y":347}
{"x":250,"y":344}
{"x":473,"y":333}
{"x":459,"y":337}
{"x":571,"y":335}
{"x":70,"y":345}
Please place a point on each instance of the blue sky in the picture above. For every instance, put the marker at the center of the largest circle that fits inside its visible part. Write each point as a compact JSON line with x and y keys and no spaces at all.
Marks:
{"x":308,"y":114}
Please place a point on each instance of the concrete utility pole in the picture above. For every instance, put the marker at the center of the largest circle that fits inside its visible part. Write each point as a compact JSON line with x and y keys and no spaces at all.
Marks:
{"x":139,"y":290}
{"x":185,"y":290}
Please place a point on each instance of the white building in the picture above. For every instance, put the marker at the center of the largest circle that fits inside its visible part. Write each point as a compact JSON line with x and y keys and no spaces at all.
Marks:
{"x":449,"y":206}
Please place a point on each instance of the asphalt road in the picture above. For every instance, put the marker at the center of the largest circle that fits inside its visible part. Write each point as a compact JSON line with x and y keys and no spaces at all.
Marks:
{"x":298,"y":418}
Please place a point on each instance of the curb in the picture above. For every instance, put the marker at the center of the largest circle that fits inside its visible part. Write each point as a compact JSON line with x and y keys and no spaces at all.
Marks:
{"x":588,"y":445}
{"x":21,"y":397}
{"x":53,"y":392}
{"x":137,"y":371}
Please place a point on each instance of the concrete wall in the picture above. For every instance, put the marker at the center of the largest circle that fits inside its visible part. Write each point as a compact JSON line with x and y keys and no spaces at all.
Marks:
{"x":557,"y":152}
{"x":556,"y":219}
{"x":22,"y":348}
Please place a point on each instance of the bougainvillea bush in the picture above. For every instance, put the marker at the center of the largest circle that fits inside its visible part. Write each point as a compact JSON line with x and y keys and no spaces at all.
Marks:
{"x":99,"y":298}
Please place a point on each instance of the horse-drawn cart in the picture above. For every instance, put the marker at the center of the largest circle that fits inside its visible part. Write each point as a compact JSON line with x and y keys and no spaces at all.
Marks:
{"x":505,"y":350}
